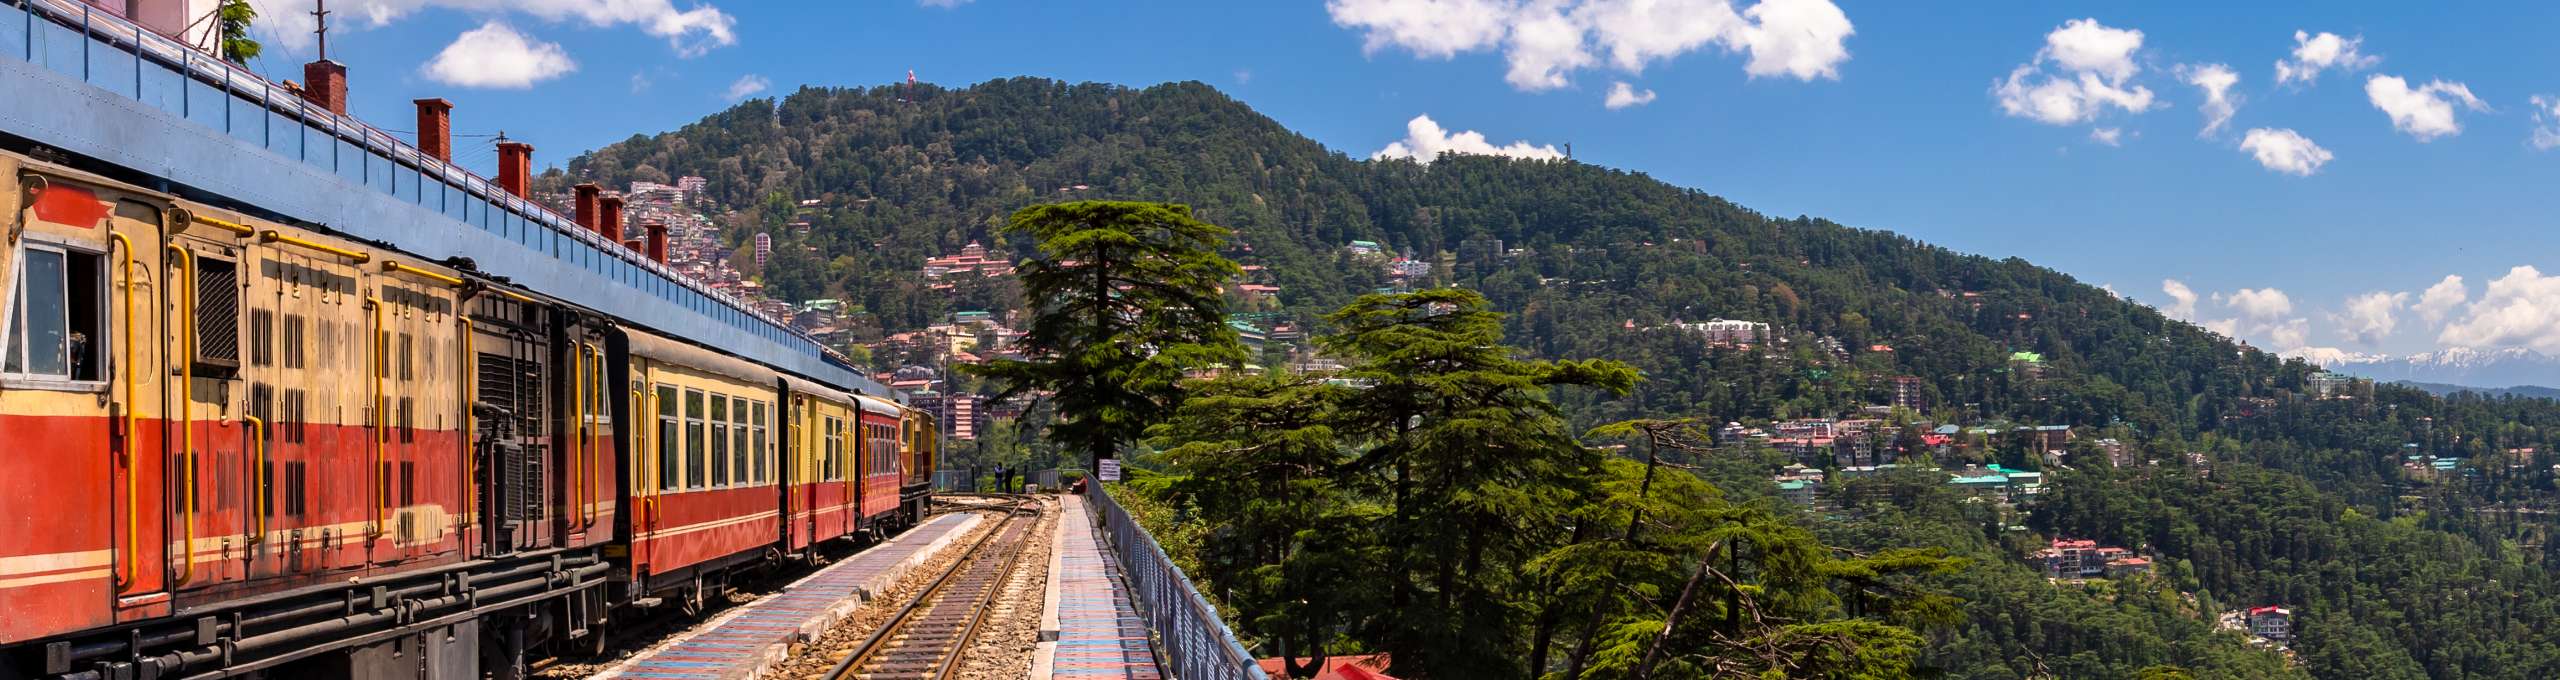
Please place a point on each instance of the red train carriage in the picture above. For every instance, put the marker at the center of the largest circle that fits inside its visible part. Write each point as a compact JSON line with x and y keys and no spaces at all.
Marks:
{"x":881,"y":480}
{"x":706,"y":480}
{"x":820,"y":497}
{"x":923,"y":439}
{"x":234,"y":445}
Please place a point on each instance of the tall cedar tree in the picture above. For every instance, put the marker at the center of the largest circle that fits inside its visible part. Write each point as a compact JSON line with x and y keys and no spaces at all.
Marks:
{"x":1477,"y":462}
{"x":1127,"y":298}
{"x":1290,"y":549}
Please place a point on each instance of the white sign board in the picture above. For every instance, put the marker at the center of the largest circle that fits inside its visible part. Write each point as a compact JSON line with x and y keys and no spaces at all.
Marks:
{"x":1110,"y":469}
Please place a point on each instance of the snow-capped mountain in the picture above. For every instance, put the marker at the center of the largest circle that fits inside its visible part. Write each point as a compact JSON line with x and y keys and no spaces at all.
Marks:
{"x":2459,"y":366}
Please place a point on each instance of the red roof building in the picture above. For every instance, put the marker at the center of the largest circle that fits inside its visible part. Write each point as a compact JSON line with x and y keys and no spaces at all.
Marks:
{"x":1366,"y":667}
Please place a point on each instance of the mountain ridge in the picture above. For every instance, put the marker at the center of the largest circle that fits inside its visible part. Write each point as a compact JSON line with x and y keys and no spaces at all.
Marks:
{"x":1592,"y":262}
{"x":2519,"y":366}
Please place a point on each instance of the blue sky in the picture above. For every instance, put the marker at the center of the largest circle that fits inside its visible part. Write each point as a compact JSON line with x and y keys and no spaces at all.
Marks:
{"x":1887,"y":115}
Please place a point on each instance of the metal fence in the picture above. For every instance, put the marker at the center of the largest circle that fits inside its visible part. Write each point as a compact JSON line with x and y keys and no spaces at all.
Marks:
{"x":954,"y":480}
{"x":1193,"y":643}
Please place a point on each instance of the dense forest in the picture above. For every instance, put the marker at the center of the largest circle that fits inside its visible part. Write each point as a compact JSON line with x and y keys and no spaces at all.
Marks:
{"x":2262,"y":494}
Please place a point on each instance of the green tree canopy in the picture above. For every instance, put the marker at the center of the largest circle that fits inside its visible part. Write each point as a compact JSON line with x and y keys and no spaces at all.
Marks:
{"x":1127,"y":298}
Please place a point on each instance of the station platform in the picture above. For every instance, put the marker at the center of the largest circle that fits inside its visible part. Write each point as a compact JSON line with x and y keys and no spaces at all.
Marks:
{"x":1099,"y":634}
{"x":745,"y":641}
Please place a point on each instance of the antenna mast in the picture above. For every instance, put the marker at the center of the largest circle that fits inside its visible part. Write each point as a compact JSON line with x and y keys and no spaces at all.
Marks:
{"x":320,"y":25}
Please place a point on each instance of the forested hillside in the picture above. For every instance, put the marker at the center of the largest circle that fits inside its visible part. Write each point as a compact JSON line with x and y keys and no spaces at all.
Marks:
{"x":2289,"y":499}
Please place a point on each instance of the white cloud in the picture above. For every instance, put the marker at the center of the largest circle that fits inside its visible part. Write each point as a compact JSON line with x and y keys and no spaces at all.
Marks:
{"x":496,"y":56}
{"x":1544,"y":42}
{"x":2426,"y":112}
{"x":2370,"y":317}
{"x":2229,"y":328}
{"x":639,"y":82}
{"x":2084,"y":45}
{"x":1545,"y":45}
{"x":691,"y":32}
{"x":942,"y":4}
{"x":1623,"y":95}
{"x":2288,"y":335}
{"x":746,"y":86}
{"x":2107,"y":135}
{"x":1244,"y":76}
{"x":2284,"y":150}
{"x":2095,"y":67}
{"x":2216,"y":81}
{"x":2185,"y":306}
{"x":2262,"y":304}
{"x":2521,"y":309}
{"x":2315,"y":53}
{"x":1430,"y":28}
{"x":1805,"y":39}
{"x":2546,"y":122}
{"x":1425,"y":140}
{"x":2440,"y":299}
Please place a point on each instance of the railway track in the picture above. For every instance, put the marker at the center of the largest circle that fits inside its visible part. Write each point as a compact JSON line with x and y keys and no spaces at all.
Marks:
{"x":925,"y":639}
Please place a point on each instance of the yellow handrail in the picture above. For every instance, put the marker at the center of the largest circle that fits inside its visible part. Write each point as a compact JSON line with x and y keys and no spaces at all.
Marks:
{"x":512,"y":295}
{"x":132,"y":472}
{"x":577,"y":430}
{"x":233,"y":227}
{"x":657,"y":484}
{"x":257,"y":471}
{"x":272,"y":236}
{"x":595,"y":402}
{"x":470,"y":424}
{"x":187,"y":423}
{"x":396,"y":266}
{"x":381,"y":481}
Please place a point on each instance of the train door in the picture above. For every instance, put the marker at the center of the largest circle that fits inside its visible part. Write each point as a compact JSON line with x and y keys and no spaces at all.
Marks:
{"x":207,"y":441}
{"x":799,"y":512}
{"x":653,"y":434}
{"x":585,"y":423}
{"x":509,"y":404}
{"x":416,"y":428}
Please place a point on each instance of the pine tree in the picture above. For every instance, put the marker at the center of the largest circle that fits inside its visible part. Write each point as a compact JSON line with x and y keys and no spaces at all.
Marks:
{"x":1479,"y":465}
{"x":1127,"y":299}
{"x":1291,"y":544}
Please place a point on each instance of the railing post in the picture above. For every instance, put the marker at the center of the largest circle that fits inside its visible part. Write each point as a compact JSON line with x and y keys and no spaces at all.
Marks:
{"x":1195,"y":642}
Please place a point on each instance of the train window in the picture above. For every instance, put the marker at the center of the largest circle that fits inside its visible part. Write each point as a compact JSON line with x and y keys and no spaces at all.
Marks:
{"x":217,"y":308}
{"x":693,"y":478}
{"x":408,"y":357}
{"x":670,"y":474}
{"x":835,"y":449}
{"x":764,"y":456}
{"x":739,"y":454}
{"x":719,"y":440}
{"x":408,"y":421}
{"x":56,"y":315}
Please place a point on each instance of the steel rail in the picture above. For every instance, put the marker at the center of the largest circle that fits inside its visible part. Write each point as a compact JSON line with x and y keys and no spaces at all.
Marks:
{"x":878,"y":640}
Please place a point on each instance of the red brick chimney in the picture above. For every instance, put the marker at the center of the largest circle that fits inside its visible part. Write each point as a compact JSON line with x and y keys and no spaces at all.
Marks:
{"x":515,"y":168}
{"x":586,"y":206}
{"x":611,"y":224}
{"x":636,"y":245}
{"x":658,"y":242}
{"x":435,"y":128}
{"x":324,"y":83}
